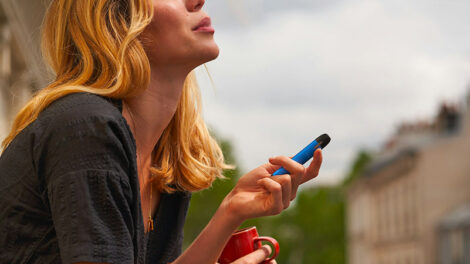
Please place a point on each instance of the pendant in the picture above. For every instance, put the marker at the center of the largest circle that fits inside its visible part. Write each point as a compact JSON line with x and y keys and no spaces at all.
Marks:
{"x":150,"y":224}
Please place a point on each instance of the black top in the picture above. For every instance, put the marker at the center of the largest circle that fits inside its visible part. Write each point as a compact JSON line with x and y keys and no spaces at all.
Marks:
{"x":69,"y":191}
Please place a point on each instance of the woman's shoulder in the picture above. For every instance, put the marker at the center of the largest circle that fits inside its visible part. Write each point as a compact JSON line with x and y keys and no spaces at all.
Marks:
{"x":82,"y":106}
{"x":84,"y":128}
{"x":83,"y":115}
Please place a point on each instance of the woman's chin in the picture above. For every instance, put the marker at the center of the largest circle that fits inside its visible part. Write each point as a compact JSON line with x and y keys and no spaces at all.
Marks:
{"x":207,"y":55}
{"x":214,"y":54}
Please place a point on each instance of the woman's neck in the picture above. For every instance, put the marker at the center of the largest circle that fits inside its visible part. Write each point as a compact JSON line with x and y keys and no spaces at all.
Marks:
{"x":150,"y":112}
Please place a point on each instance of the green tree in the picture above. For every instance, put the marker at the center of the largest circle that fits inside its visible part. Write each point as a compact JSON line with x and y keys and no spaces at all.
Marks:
{"x":311,"y":230}
{"x":358,"y":166}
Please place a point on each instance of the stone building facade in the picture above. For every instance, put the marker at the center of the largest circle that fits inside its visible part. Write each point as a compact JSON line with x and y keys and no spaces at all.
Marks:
{"x":396,"y":212}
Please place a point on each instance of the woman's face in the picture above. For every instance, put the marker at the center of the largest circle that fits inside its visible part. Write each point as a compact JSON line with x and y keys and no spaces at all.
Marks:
{"x":180,"y":34}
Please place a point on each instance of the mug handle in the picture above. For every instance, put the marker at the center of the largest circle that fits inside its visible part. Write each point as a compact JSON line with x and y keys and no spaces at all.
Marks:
{"x":274,"y":244}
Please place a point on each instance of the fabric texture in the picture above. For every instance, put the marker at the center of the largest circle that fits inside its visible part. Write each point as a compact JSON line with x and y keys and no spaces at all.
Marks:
{"x":70,"y":191}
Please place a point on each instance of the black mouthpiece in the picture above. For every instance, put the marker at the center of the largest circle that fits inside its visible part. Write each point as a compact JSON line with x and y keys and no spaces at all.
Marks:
{"x":323,"y":140}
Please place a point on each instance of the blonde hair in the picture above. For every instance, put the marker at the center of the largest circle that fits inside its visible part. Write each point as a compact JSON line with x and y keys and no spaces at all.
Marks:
{"x":93,"y":46}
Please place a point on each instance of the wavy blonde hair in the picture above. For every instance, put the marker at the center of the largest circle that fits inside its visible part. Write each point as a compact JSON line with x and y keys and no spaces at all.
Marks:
{"x":93,"y":46}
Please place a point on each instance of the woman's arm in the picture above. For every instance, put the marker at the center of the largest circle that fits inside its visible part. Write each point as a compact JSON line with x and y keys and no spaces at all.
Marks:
{"x":210,"y":242}
{"x":256,"y":194}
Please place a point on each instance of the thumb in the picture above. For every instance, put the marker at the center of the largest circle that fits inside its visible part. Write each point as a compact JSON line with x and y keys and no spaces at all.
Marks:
{"x":256,"y":256}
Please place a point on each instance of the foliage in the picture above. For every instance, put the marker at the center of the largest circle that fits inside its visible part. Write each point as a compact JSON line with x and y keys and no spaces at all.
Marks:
{"x":363,"y":158}
{"x":311,"y":230}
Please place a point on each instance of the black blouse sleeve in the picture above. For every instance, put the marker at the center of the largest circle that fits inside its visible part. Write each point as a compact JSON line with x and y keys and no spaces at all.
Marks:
{"x":84,"y":159}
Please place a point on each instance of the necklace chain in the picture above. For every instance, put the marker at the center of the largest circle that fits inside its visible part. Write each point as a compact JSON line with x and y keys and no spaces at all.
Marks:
{"x":139,"y":161}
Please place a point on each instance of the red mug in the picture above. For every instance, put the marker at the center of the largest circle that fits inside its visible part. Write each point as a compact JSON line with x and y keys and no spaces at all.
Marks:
{"x":243,"y":242}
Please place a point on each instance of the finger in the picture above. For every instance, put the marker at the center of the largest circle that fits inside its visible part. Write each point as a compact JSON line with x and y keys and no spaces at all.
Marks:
{"x":314,"y":168}
{"x":295,"y":169}
{"x":286,"y":182}
{"x":289,"y":164}
{"x":275,"y":189}
{"x":271,"y":168}
{"x":256,"y":256}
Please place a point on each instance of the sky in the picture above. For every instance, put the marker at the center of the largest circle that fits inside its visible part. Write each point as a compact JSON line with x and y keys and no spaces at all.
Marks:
{"x":289,"y":71}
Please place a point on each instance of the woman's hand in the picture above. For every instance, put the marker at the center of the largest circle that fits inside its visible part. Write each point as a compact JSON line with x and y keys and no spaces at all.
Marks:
{"x":256,"y":257}
{"x":257,"y":193}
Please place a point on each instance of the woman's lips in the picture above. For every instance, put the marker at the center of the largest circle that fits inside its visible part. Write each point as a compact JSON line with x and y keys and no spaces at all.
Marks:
{"x":205,"y":29}
{"x":204,"y":26}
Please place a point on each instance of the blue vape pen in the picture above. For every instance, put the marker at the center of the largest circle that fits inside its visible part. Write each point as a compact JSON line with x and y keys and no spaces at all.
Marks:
{"x":307,"y":153}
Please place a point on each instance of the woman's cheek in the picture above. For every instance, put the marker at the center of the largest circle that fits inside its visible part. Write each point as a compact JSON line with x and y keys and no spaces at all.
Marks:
{"x":170,"y":14}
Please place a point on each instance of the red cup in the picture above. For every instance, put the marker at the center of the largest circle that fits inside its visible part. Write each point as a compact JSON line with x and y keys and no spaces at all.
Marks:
{"x":245,"y":241}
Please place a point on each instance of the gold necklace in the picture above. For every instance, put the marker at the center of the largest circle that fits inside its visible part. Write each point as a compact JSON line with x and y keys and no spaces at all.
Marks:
{"x":150,"y":219}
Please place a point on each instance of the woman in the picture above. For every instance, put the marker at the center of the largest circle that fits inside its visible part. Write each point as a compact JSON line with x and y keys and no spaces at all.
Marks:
{"x":99,"y":165}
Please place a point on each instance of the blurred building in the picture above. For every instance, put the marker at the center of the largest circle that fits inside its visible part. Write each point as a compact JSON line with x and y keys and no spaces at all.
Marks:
{"x":21,"y":68}
{"x":412,"y":204}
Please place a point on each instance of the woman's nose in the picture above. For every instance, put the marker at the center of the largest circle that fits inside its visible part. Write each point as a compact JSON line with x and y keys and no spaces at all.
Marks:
{"x":194,"y":5}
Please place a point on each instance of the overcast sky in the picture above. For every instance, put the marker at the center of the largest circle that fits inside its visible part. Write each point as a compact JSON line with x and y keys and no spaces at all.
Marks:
{"x":291,"y":70}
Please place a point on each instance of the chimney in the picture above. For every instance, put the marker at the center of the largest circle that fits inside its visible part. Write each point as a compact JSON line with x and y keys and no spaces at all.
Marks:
{"x":448,"y":119}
